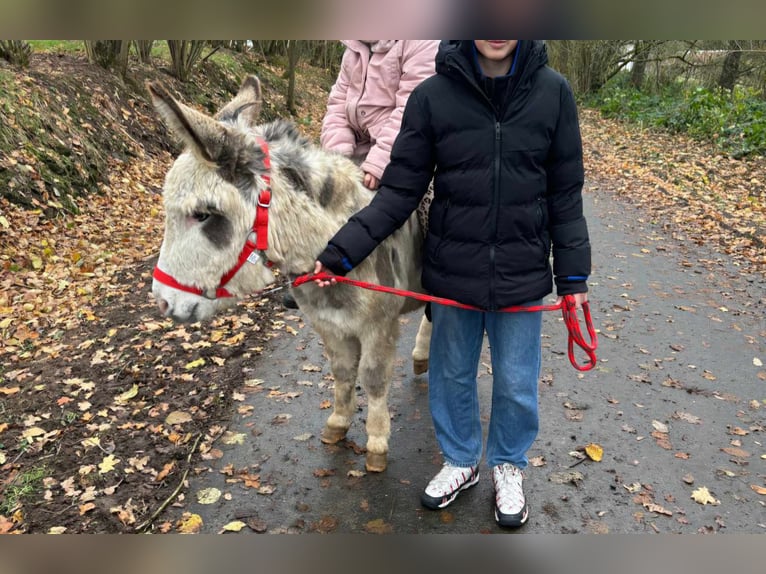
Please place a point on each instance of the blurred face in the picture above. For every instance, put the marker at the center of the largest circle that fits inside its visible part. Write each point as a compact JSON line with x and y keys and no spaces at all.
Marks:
{"x":496,"y":50}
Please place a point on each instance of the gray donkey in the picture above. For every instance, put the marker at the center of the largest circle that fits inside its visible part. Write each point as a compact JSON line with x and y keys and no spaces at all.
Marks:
{"x":243,"y":197}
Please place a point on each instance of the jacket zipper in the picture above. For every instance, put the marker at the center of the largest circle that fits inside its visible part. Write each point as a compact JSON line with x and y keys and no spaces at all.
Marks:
{"x":496,"y":209}
{"x":496,"y":170}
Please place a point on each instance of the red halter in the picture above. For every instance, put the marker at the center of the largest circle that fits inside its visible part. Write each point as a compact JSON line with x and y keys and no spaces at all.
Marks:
{"x":252,"y":251}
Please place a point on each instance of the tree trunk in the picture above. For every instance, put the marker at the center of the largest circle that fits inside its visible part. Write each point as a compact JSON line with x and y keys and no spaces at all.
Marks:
{"x":292,"y":61}
{"x":16,"y":52}
{"x":105,"y":53}
{"x":730,"y":69}
{"x":184,"y":55}
{"x":638,"y":72}
{"x":121,"y":62}
{"x":144,"y":50}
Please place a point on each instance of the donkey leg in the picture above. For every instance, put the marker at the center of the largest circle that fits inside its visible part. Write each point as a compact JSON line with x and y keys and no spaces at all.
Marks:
{"x":375,"y":370}
{"x":422,"y":344}
{"x":344,"y":361}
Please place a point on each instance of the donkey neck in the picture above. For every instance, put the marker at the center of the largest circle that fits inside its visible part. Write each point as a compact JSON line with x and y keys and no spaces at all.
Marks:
{"x":313,"y":194}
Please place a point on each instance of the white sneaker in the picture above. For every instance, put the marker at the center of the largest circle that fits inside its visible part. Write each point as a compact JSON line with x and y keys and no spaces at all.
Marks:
{"x":445,"y":486}
{"x":510,"y":504}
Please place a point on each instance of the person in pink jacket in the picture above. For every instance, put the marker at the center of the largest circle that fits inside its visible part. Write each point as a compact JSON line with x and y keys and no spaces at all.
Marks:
{"x":366,"y":103}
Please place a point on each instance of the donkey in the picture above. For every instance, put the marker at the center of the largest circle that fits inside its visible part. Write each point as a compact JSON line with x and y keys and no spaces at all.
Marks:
{"x":243,"y":197}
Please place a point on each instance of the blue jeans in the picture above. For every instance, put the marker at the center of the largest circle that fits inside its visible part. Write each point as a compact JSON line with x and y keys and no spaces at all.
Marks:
{"x":515,"y":349}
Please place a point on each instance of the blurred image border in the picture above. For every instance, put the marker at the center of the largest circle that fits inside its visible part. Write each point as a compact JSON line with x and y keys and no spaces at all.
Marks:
{"x":424,"y":19}
{"x":543,"y":554}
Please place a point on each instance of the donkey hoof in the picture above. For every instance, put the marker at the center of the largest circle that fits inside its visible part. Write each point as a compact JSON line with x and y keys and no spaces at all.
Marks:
{"x":376,"y":462}
{"x":420,"y":366}
{"x":332,"y":435}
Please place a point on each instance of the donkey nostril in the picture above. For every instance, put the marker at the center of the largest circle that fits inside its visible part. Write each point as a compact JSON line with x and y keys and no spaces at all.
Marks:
{"x":163,"y":305}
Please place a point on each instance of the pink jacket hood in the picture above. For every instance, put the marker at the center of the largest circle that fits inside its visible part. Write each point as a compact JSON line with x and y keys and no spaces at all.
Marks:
{"x":366,"y":103}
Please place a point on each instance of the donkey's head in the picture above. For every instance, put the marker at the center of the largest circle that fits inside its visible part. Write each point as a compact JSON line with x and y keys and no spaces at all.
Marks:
{"x":211,"y":196}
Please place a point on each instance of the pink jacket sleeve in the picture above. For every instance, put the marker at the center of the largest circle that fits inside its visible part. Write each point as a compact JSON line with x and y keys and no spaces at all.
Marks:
{"x":418,"y":63}
{"x":336,"y":134}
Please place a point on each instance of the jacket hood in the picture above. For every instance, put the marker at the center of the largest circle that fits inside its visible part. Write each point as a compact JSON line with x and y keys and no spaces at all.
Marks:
{"x":369,"y":45}
{"x":457,"y":57}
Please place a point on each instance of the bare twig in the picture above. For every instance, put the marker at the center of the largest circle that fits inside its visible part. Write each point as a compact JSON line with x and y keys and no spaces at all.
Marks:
{"x":580,"y":461}
{"x":146,"y":523}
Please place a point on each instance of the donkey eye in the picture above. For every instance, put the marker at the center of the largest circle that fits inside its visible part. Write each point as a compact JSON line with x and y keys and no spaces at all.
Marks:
{"x":200,"y":216}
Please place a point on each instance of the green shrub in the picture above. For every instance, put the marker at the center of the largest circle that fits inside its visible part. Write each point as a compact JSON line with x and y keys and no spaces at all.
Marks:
{"x":16,"y":52}
{"x":735,"y":121}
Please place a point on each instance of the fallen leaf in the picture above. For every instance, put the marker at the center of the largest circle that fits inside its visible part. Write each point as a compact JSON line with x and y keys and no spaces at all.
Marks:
{"x":87,"y":507}
{"x":322,"y":472}
{"x":378,"y":526}
{"x":165,"y":471}
{"x":234,"y":526}
{"x":662,"y":440}
{"x":702,"y":496}
{"x":57,"y":530}
{"x":127,"y":395}
{"x":32,"y":432}
{"x":326,"y":524}
{"x":190,"y":523}
{"x":652,"y":507}
{"x":594,"y":451}
{"x":734,"y":451}
{"x":233,"y":438}
{"x":9,"y":390}
{"x":759,"y":489}
{"x":212,"y":454}
{"x":208,"y":495}
{"x":281,"y":418}
{"x":125,"y":513}
{"x":574,"y":477}
{"x":757,"y":362}
{"x":256,"y":524}
{"x":178,"y":418}
{"x":686,"y":417}
{"x":6,"y":525}
{"x":688,"y":479}
{"x":108,"y":464}
{"x":194,"y":364}
{"x":660,"y":427}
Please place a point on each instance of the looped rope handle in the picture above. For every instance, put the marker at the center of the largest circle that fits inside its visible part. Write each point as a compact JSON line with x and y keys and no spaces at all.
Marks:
{"x":568,"y":308}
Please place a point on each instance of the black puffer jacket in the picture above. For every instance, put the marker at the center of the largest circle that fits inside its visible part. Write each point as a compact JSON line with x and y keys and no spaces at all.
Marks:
{"x":508,"y":178}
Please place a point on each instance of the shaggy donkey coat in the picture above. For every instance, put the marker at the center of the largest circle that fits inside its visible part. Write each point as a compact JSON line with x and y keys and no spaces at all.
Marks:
{"x":210,"y":198}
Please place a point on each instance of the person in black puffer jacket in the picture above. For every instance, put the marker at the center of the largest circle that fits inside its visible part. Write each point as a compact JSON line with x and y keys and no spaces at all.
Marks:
{"x":498,"y":131}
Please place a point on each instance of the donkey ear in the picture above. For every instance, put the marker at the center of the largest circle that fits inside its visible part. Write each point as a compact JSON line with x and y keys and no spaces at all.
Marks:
{"x":205,"y":136}
{"x":246,"y":104}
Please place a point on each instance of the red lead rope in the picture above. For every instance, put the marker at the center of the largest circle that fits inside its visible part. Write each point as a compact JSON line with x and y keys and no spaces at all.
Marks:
{"x":568,"y":308}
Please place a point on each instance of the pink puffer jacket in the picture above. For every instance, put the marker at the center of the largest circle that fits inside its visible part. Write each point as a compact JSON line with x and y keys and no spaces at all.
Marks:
{"x":366,"y":103}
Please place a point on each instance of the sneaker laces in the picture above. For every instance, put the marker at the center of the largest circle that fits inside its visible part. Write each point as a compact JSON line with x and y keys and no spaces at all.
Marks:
{"x":509,"y":491}
{"x":449,"y":479}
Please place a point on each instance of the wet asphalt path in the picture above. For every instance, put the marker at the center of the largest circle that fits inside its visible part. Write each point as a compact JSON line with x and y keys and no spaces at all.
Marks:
{"x":682,"y":331}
